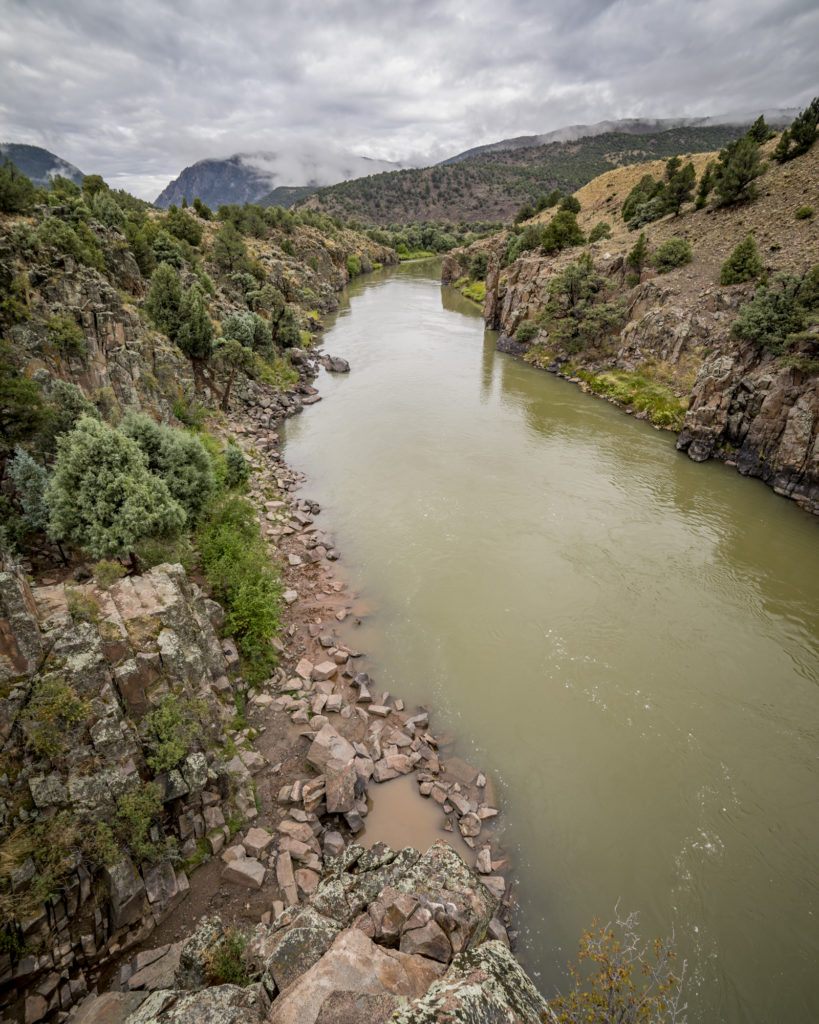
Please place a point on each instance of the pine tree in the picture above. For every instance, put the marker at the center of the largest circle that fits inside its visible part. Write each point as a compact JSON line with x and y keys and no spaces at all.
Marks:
{"x":743,"y":264}
{"x":195,"y":333}
{"x":102,"y":498}
{"x":738,"y":166}
{"x":639,"y":254}
{"x":164,"y":300}
{"x":680,"y":186}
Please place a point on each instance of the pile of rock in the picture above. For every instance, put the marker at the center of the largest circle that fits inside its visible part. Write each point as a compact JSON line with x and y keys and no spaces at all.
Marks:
{"x":385,"y":935}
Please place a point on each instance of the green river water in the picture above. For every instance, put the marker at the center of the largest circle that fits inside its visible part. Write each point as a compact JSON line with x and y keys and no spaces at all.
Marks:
{"x":626,"y":641}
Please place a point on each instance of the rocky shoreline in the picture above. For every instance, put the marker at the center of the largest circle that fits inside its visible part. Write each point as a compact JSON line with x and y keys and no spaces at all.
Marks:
{"x":258,"y":835}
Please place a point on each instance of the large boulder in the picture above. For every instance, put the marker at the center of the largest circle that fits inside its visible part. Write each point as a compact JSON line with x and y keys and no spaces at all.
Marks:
{"x":483,"y":986}
{"x":355,"y":982}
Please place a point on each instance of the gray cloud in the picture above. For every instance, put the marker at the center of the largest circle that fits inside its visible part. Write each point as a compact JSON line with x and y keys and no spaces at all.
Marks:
{"x":136,"y":92}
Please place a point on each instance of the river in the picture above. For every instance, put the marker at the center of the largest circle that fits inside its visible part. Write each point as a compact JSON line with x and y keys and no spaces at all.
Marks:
{"x":627,"y":641}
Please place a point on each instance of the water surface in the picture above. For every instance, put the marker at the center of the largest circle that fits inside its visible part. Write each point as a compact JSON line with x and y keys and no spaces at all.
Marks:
{"x":627,"y":640}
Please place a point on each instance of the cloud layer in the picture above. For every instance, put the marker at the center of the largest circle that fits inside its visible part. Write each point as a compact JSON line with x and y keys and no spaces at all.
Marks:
{"x":138,"y":91}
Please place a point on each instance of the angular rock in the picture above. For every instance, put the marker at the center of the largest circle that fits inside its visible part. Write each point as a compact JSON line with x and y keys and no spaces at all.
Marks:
{"x":328,"y":745}
{"x":245,"y":871}
{"x":340,"y":781}
{"x":257,"y":841}
{"x":483,"y":986}
{"x":126,"y":892}
{"x":354,"y":971}
{"x":429,"y":940}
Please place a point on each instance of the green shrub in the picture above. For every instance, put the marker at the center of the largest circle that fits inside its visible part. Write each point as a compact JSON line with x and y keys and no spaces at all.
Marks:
{"x":237,"y":470}
{"x":804,"y":213}
{"x":102,"y":497}
{"x":82,"y":607}
{"x":226,"y":963}
{"x":30,"y":481}
{"x":164,"y":299}
{"x":525,"y":241}
{"x":106,"y":573}
{"x":743,"y":264}
{"x":17,"y":192}
{"x":801,"y":135}
{"x":153,"y":551}
{"x":772,"y":315}
{"x":171,"y":731}
{"x":53,"y":710}
{"x":601,"y":230}
{"x":182,"y":226}
{"x":646,"y":189}
{"x":562,"y":232}
{"x":235,"y":560}
{"x":190,"y":412}
{"x":526,"y":332}
{"x":136,"y":813}
{"x":570,"y":203}
{"x":353,"y":265}
{"x":177,"y":457}
{"x":66,"y":406}
{"x":65,"y":334}
{"x":736,"y":170}
{"x":80,"y":242}
{"x":673,"y":252}
{"x":478,"y":266}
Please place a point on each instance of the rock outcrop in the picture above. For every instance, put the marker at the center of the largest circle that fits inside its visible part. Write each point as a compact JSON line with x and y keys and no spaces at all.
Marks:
{"x":387,"y":935}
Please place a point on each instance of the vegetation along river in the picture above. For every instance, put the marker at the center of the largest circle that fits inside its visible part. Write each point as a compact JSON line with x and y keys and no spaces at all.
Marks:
{"x":629,"y":641}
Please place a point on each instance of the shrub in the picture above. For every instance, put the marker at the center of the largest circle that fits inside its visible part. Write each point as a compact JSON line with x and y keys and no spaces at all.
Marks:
{"x":478,"y":266}
{"x":136,"y":813}
{"x":176,"y":456}
{"x":646,"y":189}
{"x":16,"y":190}
{"x":65,"y":334}
{"x":617,"y":977}
{"x":526,"y":332}
{"x":601,"y":230}
{"x":772,"y":315}
{"x":102,"y":496}
{"x":804,"y":213}
{"x":562,"y":232}
{"x":801,"y":135}
{"x":237,"y":470}
{"x":528,"y":239}
{"x":674,"y":252}
{"x":235,"y":560}
{"x":639,"y":254}
{"x":182,"y":226}
{"x":30,"y":481}
{"x":82,"y":607}
{"x":353,"y":265}
{"x":106,"y":573}
{"x":171,"y":730}
{"x":226,"y":963}
{"x":52,"y":711}
{"x":66,"y":406}
{"x":79,"y":242}
{"x":570,"y":203}
{"x":195,"y":332}
{"x":251,"y":331}
{"x":743,"y":264}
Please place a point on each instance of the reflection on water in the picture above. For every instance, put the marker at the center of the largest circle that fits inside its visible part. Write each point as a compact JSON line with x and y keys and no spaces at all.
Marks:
{"x":627,"y":640}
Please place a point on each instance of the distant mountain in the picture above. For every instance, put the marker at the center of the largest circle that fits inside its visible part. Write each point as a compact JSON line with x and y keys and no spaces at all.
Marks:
{"x":287,"y":195}
{"x":776,"y":117}
{"x":492,"y":185}
{"x":39,"y":164}
{"x":253,"y":177}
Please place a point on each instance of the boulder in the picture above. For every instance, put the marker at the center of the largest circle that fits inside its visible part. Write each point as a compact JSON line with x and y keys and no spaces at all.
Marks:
{"x":483,"y":986}
{"x":245,"y":871}
{"x":194,"y":956}
{"x":126,"y":892}
{"x":329,"y":745}
{"x":293,"y":949}
{"x":354,"y":981}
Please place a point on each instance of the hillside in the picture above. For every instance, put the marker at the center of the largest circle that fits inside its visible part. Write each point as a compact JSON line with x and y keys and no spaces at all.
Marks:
{"x":662,"y":343}
{"x":39,"y":164}
{"x":492,"y":186}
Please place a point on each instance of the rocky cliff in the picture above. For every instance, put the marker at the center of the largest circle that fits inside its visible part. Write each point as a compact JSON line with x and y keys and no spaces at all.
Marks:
{"x":741,"y":402}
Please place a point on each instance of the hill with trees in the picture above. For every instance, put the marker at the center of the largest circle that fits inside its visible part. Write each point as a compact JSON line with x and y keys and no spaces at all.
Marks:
{"x":39,"y":164}
{"x":492,"y":185}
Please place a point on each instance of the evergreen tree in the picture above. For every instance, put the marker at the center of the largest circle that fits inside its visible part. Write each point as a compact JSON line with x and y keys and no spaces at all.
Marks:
{"x":164,"y":300}
{"x":102,"y":497}
{"x":738,"y":166}
{"x":234,"y":356}
{"x":639,"y":254}
{"x":562,"y":232}
{"x":30,"y":481}
{"x":706,"y":185}
{"x":760,"y":131}
{"x":229,"y":250}
{"x":66,"y":405}
{"x":680,"y":185}
{"x":743,"y":264}
{"x":21,"y":405}
{"x":195,"y":333}
{"x":16,"y":190}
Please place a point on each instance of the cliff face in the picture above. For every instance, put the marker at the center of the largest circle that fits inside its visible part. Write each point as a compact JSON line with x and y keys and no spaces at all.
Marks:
{"x":80,"y":667}
{"x":746,"y":405}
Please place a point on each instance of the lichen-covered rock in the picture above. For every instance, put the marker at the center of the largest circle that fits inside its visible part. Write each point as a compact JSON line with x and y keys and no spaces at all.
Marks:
{"x":222,"y":1004}
{"x":482,"y":986}
{"x":126,"y":891}
{"x":352,"y":968}
{"x":192,"y":972}
{"x":298,"y":940}
{"x":21,"y":644}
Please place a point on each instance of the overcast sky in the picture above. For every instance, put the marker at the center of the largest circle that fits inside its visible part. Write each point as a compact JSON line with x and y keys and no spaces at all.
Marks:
{"x":138,"y":90}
